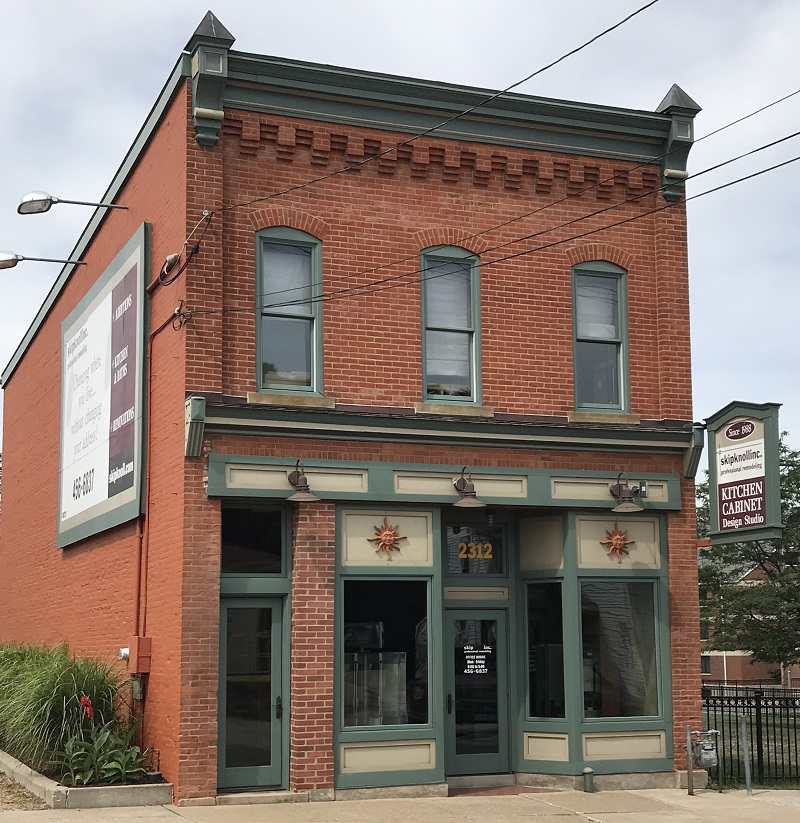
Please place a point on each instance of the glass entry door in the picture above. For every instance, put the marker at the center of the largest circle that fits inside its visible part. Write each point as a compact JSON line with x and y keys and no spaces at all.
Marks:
{"x":476,"y":707}
{"x":251,"y":703}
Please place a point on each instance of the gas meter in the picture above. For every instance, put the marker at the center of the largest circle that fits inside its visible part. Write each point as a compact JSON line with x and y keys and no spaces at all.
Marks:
{"x":705,"y":749}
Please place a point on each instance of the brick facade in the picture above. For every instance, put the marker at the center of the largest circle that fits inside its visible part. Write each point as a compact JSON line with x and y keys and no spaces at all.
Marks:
{"x":373,"y":221}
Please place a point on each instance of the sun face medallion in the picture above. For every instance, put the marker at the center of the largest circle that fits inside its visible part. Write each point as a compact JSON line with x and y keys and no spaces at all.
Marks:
{"x":387,"y":538}
{"x":617,"y":543}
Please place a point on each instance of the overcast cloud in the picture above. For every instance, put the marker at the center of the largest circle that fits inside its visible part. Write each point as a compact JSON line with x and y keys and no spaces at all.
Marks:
{"x":80,"y":76}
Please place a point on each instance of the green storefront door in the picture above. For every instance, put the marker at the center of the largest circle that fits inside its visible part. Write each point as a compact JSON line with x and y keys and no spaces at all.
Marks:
{"x":251,"y":706}
{"x":476,"y":708}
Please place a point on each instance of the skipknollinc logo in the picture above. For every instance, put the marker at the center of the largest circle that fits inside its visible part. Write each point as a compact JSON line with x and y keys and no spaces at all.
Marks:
{"x":740,"y":429}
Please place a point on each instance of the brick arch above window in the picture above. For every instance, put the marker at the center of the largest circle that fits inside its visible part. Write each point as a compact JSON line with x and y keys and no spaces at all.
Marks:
{"x":268,"y":218}
{"x":446,"y":236}
{"x":590,"y":252}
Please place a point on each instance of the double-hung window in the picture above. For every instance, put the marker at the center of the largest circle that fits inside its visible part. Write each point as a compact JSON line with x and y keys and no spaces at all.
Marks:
{"x":600,"y":329}
{"x":289,"y":277}
{"x":451,"y":316}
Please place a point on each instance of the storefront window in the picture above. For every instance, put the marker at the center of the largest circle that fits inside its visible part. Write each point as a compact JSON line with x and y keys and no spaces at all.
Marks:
{"x":620,"y":677}
{"x":545,"y":651}
{"x":385,"y":652}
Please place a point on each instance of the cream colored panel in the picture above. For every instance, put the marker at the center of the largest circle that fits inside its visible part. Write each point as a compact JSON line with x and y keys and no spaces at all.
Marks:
{"x":541,"y":543}
{"x":486,"y":485}
{"x":592,"y":488}
{"x":546,"y":746}
{"x":395,"y":755}
{"x":249,"y":476}
{"x":624,"y":745}
{"x":415,"y":548}
{"x":475,"y":593}
{"x":276,"y":478}
{"x":643,"y":550}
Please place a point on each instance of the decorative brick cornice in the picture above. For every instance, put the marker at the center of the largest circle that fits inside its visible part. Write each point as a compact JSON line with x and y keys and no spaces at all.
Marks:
{"x":587,"y":252}
{"x":479,"y":166}
{"x":271,"y":216}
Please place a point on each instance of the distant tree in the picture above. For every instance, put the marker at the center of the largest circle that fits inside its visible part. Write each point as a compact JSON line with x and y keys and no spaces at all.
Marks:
{"x":761,"y":614}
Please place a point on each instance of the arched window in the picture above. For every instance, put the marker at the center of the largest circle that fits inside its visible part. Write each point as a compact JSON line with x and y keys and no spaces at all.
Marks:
{"x":600,"y":351}
{"x":289,"y":264}
{"x":451,"y":325}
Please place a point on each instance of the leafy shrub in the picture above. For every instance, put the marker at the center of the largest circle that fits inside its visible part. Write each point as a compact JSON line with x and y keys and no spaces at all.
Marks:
{"x":106,"y":756}
{"x":40,"y":701}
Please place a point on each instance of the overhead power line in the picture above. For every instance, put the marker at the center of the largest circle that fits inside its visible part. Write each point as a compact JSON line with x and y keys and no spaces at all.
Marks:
{"x":444,"y":123}
{"x":360,"y":289}
{"x":385,"y":285}
{"x":549,"y":205}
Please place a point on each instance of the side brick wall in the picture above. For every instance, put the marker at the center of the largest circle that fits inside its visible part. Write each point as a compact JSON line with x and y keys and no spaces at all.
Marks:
{"x":85,"y":594}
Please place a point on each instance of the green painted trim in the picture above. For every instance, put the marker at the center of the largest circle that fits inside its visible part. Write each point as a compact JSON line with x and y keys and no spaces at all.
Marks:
{"x":602,"y":268}
{"x":432,"y":257}
{"x":265,"y":585}
{"x":386,"y":102}
{"x":242,"y":585}
{"x":499,"y":762}
{"x":574,"y":724}
{"x":266,"y":776}
{"x":377,"y":780}
{"x":291,"y":237}
{"x":270,"y":587}
{"x":116,"y":512}
{"x":767,"y":413}
{"x":121,"y":177}
{"x":427,"y":731}
{"x":381,"y":487}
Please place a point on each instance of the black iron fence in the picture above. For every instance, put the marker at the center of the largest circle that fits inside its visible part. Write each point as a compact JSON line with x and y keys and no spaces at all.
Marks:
{"x":772,"y":722}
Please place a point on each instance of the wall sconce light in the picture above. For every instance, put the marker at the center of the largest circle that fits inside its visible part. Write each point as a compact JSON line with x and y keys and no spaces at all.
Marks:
{"x":466,"y":488}
{"x":8,"y":260}
{"x":625,"y":494}
{"x":36,"y":202}
{"x":299,"y":480}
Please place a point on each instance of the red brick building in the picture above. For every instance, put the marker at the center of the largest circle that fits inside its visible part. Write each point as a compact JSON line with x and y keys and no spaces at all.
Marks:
{"x":495,"y":312}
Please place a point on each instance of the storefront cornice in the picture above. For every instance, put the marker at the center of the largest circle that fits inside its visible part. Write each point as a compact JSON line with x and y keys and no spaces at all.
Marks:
{"x":231,"y":415}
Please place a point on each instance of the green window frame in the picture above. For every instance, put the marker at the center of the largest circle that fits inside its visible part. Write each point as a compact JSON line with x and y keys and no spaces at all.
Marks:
{"x":289,"y":312}
{"x":600,"y":337}
{"x":450,"y":278}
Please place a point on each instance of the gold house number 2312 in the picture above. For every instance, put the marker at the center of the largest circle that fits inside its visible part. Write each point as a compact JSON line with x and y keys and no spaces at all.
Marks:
{"x":481,"y":551}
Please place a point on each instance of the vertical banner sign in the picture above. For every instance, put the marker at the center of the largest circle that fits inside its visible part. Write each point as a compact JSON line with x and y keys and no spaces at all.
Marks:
{"x":744,"y":473}
{"x":101,"y":399}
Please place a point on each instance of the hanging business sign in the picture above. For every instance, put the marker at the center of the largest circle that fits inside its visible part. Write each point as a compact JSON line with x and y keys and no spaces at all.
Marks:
{"x":744,"y":473}
{"x":102,"y":350}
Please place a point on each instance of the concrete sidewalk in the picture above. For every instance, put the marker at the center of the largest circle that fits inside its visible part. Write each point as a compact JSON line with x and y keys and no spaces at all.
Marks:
{"x":644,"y":806}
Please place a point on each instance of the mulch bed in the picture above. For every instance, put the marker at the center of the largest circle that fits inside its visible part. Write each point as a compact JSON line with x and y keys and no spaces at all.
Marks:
{"x":14,"y":798}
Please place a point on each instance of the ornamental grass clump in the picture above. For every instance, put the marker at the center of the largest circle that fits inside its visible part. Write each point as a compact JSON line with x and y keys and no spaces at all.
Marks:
{"x":41,"y":708}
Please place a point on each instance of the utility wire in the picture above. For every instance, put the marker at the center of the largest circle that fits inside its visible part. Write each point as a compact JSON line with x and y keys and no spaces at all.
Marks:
{"x":552,"y":244}
{"x":540,"y":209}
{"x":360,"y":289}
{"x":444,"y":123}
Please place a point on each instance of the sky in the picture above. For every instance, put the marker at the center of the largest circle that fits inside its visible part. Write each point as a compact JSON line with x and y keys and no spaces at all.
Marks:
{"x":80,"y":77}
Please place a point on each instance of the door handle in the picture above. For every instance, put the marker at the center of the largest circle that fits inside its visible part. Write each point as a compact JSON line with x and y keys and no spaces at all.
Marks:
{"x":278,"y":708}
{"x":449,"y":703}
